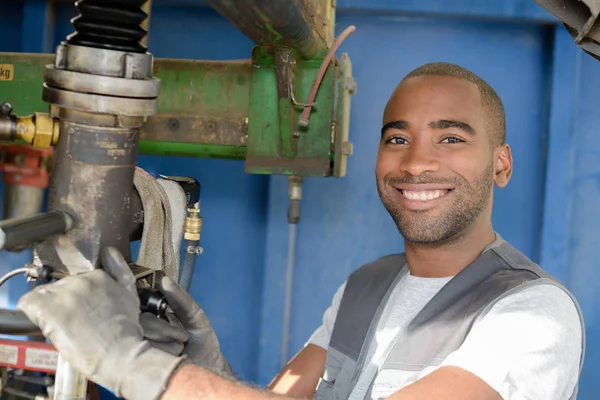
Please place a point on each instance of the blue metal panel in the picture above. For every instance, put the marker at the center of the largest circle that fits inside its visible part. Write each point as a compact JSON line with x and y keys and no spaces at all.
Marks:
{"x":38,"y":23}
{"x":584,"y":215}
{"x":509,"y":9}
{"x":11,"y":16}
{"x":565,"y":86}
{"x":343,"y":223}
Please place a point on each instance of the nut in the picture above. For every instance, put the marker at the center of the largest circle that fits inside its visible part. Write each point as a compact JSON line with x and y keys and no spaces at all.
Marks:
{"x":46,"y":131}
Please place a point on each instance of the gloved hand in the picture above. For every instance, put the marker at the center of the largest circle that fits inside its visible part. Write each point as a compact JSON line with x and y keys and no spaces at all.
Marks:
{"x":188,"y":319}
{"x":93,"y":321}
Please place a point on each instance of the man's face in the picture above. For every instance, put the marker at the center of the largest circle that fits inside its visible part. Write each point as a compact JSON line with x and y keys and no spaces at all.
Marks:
{"x":435,"y":165}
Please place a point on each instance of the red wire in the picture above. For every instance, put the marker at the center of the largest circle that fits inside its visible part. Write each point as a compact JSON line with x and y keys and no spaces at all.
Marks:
{"x":317,"y":82}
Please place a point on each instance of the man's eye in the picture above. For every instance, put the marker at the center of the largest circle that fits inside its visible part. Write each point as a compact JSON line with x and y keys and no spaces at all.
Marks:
{"x":396,"y":140}
{"x":452,"y":140}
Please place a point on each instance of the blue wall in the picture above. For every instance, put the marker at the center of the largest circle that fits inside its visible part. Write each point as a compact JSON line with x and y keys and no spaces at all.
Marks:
{"x":548,"y":210}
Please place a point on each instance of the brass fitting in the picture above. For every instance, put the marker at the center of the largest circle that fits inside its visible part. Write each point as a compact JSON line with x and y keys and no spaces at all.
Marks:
{"x":193,"y":224}
{"x":46,"y":132}
{"x":39,"y":129}
{"x":26,"y":128}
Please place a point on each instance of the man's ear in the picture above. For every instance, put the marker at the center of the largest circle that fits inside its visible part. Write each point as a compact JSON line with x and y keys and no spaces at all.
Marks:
{"x":502,"y":165}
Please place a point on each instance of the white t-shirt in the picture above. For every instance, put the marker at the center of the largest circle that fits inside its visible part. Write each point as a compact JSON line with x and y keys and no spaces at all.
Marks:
{"x":527,"y":347}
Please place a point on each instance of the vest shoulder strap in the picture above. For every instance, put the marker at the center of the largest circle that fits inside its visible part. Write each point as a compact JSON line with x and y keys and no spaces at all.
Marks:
{"x":366,"y":289}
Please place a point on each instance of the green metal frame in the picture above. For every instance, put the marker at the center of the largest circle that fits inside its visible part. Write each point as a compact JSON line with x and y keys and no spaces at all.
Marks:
{"x":230,"y":110}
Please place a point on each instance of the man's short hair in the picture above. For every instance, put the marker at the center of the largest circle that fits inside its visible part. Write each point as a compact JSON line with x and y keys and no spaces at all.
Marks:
{"x":495,"y":119}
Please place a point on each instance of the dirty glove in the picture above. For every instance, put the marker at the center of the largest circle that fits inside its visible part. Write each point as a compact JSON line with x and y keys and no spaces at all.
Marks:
{"x":167,"y":336}
{"x":93,"y":321}
{"x":188,"y":319}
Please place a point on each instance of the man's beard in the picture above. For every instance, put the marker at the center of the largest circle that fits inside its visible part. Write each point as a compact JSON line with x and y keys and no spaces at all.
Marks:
{"x":458,"y":213}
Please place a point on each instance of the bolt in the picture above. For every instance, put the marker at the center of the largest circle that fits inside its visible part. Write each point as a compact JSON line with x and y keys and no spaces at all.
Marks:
{"x":350,"y":85}
{"x":195,"y":250}
{"x":20,"y":159}
{"x":347,"y":148}
{"x":6,"y":108}
{"x":210,"y":126}
{"x":173,"y":124}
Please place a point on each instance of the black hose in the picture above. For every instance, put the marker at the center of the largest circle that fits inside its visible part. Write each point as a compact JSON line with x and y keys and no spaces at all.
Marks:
{"x":14,"y":322}
{"x":187,"y":266}
{"x":18,"y":232}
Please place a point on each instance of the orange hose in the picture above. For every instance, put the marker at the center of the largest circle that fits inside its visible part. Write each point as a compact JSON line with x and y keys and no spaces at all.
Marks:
{"x":305,"y":116}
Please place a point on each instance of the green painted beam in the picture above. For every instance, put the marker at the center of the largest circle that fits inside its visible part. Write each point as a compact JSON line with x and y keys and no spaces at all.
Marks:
{"x":227,"y":109}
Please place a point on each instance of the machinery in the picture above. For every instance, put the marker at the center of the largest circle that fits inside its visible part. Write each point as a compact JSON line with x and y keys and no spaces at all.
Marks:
{"x":102,"y":99}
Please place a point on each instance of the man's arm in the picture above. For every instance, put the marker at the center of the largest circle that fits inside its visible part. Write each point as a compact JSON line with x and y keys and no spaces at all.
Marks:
{"x":194,"y":383}
{"x":301,"y":375}
{"x":448,"y":383}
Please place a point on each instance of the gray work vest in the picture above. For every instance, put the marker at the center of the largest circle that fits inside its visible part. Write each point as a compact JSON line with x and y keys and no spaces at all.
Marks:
{"x":438,"y":329}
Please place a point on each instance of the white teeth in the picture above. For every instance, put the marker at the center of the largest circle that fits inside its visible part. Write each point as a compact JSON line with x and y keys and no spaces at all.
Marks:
{"x":424,"y":195}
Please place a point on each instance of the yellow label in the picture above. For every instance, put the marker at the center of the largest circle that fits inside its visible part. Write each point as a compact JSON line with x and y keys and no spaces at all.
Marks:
{"x":7,"y":72}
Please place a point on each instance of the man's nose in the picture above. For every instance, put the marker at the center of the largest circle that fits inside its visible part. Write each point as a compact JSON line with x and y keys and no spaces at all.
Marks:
{"x":419,"y":159}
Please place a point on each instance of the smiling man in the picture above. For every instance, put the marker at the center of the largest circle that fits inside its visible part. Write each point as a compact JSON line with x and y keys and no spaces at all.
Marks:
{"x":461,"y":314}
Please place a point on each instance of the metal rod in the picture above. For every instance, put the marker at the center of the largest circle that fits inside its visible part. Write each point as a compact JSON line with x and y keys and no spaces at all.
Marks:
{"x":18,"y":232}
{"x":23,"y":394}
{"x":289,"y":284}
{"x":70,"y":383}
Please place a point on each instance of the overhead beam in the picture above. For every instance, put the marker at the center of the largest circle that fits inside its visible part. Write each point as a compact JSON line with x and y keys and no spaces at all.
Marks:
{"x":304,"y":25}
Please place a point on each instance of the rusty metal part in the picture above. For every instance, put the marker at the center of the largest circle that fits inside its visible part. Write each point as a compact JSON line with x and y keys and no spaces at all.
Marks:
{"x":92,"y":180}
{"x":103,"y":62}
{"x":207,"y":130}
{"x":104,"y":85}
{"x":581,"y":21}
{"x":132,"y":107}
{"x":303,"y":25}
{"x":340,"y":127}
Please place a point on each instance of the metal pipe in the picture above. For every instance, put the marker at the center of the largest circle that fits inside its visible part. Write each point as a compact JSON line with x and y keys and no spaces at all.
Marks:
{"x":18,"y":232}
{"x":289,"y":285}
{"x":92,"y":180}
{"x":14,"y":322}
{"x":298,"y":24}
{"x":22,"y":201}
{"x":189,"y":262}
{"x":12,"y":274}
{"x":23,"y":394}
{"x":70,"y":384}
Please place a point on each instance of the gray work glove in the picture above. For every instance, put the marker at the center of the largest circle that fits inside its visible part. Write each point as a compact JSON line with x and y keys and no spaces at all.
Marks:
{"x":93,"y":321}
{"x":187,"y":320}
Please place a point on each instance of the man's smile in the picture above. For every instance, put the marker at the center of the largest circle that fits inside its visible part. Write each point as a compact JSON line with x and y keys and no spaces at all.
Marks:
{"x":421,"y":196}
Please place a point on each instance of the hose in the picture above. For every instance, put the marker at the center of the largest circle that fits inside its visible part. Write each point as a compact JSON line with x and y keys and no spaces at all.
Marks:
{"x":12,"y":274}
{"x":304,"y":118}
{"x":14,"y":322}
{"x":189,"y":262}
